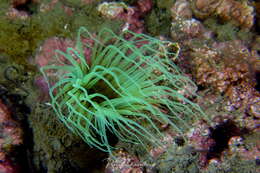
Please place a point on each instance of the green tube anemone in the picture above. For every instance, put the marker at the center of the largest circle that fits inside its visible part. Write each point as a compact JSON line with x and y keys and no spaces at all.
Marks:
{"x":127,"y":89}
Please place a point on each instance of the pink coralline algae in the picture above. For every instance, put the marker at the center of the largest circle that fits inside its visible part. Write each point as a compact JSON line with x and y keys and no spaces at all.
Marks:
{"x":11,"y":136}
{"x":47,"y":50}
{"x":132,"y":16}
{"x":47,"y":55}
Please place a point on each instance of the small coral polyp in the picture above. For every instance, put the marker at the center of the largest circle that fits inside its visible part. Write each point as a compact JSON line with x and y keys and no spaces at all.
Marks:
{"x":124,"y":84}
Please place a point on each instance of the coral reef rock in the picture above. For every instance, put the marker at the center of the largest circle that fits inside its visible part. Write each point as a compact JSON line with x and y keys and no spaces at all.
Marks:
{"x":241,"y":13}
